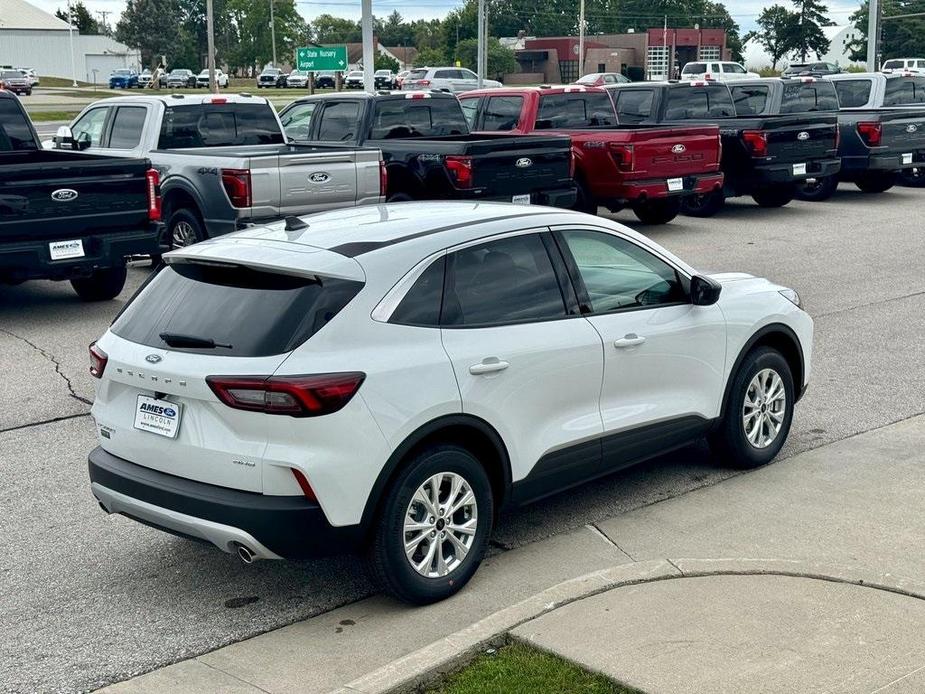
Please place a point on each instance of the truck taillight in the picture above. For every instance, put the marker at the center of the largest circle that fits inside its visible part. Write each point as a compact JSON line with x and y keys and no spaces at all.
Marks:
{"x":460,"y":169}
{"x":756,"y":141}
{"x":153,"y":186}
{"x":871,"y":133}
{"x":237,"y":183}
{"x":98,"y":359}
{"x":623,"y":155}
{"x":296,"y":396}
{"x":383,"y":179}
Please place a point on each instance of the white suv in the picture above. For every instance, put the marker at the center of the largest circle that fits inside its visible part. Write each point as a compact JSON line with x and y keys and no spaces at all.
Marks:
{"x":904,"y":65}
{"x":719,"y":70}
{"x":386,"y":378}
{"x":452,"y":79}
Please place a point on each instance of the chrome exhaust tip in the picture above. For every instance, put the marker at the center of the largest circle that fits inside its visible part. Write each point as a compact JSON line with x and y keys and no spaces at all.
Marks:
{"x":245,"y":554}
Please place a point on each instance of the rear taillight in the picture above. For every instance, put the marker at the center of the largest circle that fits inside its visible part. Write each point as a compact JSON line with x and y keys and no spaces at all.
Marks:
{"x":237,"y":183}
{"x":423,"y":83}
{"x":460,"y":169}
{"x":98,"y":359}
{"x":218,"y":100}
{"x":296,"y":396}
{"x":871,"y":133}
{"x":304,"y":485}
{"x":623,"y":155}
{"x":756,"y":141}
{"x":153,"y":181}
{"x":383,"y":179}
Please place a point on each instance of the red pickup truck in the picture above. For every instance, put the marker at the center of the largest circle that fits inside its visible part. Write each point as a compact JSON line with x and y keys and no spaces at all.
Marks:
{"x":648,"y":168}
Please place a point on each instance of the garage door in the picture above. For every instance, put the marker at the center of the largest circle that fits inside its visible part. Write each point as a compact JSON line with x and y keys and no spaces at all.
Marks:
{"x":104,"y":65}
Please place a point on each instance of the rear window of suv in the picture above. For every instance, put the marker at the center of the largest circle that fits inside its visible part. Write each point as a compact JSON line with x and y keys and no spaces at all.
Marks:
{"x":257,"y":313}
{"x":219,"y":125}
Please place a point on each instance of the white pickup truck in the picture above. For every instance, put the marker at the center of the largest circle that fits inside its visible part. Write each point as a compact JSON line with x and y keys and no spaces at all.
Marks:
{"x":224,"y":161}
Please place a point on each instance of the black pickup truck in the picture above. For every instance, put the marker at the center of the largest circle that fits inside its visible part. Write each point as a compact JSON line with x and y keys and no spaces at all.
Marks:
{"x":429,"y":151}
{"x":764,"y":156}
{"x":882,"y":122}
{"x":71,"y":216}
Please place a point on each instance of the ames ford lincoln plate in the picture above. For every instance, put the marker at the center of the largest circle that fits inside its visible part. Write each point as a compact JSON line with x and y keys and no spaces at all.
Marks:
{"x":384,"y":379}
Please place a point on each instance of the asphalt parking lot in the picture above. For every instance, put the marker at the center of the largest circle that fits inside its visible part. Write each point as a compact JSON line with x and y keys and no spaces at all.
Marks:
{"x":87,"y":599}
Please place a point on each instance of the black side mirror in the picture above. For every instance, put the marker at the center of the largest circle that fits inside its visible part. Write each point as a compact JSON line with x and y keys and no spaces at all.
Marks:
{"x":83,"y":141}
{"x":704,"y":291}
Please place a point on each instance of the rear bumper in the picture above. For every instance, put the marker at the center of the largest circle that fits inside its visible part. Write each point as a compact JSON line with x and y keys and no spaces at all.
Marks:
{"x":775,"y":174}
{"x":565,"y":197}
{"x":889,"y":161}
{"x":655,"y":188}
{"x":28,"y":260}
{"x":272,"y":527}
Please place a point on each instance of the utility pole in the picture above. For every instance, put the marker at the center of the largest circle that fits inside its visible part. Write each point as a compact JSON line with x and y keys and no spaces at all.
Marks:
{"x":70,"y":33}
{"x":210,"y":38}
{"x":103,"y":14}
{"x":369,"y":57}
{"x":480,"y":60}
{"x":873,"y":34}
{"x":581,"y":39}
{"x":273,"y":33}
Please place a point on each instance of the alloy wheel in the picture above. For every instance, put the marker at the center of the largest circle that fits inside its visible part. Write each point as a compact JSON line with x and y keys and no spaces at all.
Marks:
{"x":764,"y":408}
{"x":183,"y":235}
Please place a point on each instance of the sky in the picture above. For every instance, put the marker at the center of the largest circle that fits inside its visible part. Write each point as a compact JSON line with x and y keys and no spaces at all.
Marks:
{"x":743,"y":11}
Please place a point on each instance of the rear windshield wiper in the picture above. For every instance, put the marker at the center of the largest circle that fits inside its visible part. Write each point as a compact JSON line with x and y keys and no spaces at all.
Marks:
{"x":177,"y":340}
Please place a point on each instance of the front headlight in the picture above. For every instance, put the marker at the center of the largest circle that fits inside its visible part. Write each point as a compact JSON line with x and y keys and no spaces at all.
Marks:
{"x":792,"y":296}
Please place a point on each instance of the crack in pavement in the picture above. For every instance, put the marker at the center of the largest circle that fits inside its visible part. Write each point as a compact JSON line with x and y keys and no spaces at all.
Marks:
{"x":867,"y":305}
{"x":50,"y":357}
{"x":594,"y":528}
{"x":53,"y":420}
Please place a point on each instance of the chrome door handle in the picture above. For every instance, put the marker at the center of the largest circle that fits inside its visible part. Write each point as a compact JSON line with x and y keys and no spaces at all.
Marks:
{"x":488,"y":366}
{"x":629,"y":340}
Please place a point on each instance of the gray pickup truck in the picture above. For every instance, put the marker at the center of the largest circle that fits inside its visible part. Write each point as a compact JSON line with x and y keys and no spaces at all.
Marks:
{"x":224,"y":161}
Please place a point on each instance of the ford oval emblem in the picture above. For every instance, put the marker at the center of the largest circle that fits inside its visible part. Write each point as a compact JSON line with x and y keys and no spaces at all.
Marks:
{"x":64,"y":195}
{"x":679,"y":149}
{"x":523,"y":162}
{"x":319,"y":177}
{"x":153,"y":358}
{"x":803,"y":136}
{"x":911,"y":128}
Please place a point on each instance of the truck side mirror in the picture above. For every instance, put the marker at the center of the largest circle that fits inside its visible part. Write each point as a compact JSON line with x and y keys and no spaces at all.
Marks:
{"x":704,"y":290}
{"x":64,"y":138}
{"x":83,"y":141}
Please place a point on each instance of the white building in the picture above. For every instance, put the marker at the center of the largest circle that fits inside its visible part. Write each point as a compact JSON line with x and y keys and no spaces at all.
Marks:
{"x":30,"y":37}
{"x":840,"y":37}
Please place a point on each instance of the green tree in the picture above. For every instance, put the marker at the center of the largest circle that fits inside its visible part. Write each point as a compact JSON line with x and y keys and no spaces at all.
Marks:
{"x":82,"y":19}
{"x":151,"y":27}
{"x":499,"y":60}
{"x":806,"y":34}
{"x":430,"y":56}
{"x":384,"y":62}
{"x":394,"y":31}
{"x":775,"y":32}
{"x":327,"y":28}
{"x":898,"y":37}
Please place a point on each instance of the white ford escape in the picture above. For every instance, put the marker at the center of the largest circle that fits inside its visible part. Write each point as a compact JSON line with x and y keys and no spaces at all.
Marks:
{"x":386,"y":378}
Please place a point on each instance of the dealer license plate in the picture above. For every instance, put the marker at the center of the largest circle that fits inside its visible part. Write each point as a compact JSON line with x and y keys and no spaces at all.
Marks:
{"x":62,"y":250}
{"x":675,"y":184}
{"x":160,"y":417}
{"x":799,"y":169}
{"x":521,"y":199}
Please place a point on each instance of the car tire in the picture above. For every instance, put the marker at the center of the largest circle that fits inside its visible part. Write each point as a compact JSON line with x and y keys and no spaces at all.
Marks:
{"x":184,"y":229}
{"x":775,"y":196}
{"x":659,"y":211}
{"x":406,"y":506}
{"x":876,"y":183}
{"x":102,"y":285}
{"x":913,"y":178}
{"x":705,"y":205}
{"x":742,"y":441}
{"x":584,"y":201}
{"x":817,"y":189}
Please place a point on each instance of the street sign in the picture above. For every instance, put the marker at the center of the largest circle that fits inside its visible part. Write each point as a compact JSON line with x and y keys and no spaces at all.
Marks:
{"x":321,"y":58}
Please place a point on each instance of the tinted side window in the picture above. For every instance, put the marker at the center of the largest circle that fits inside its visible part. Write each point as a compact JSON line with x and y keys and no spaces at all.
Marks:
{"x":621,"y":275}
{"x":339,"y":121}
{"x":90,"y":126}
{"x":444,"y":74}
{"x":297,"y":121}
{"x":575,"y":110}
{"x":634,"y":105}
{"x":506,"y":281}
{"x":694,"y":69}
{"x":15,"y":134}
{"x":502,"y":112}
{"x":219,"y":125}
{"x":402,"y":118}
{"x":712,"y":101}
{"x":853,"y":93}
{"x":749,"y":101}
{"x":421,"y":305}
{"x":470,"y":109}
{"x":904,"y":90}
{"x":812,"y":96}
{"x":127,"y":126}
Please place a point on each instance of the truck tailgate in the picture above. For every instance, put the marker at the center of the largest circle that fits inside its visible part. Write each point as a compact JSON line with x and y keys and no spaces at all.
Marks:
{"x":71,"y":195}
{"x":903,"y":129}
{"x":664,"y":152}
{"x":509,"y":165}
{"x":801,"y":137}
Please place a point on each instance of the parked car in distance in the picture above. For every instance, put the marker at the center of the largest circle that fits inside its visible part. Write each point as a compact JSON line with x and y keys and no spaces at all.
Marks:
{"x":882,"y":126}
{"x":221,"y":79}
{"x":904,"y":65}
{"x":123,"y":78}
{"x":821,"y":69}
{"x":67,"y":216}
{"x":271,"y":77}
{"x":297,"y":79}
{"x":429,"y":151}
{"x":599,"y":79}
{"x":646,"y":168}
{"x":354,"y":79}
{"x":718,"y":70}
{"x":400,"y":78}
{"x":384,"y":79}
{"x":30,"y":75}
{"x":16,"y":82}
{"x":325,"y":80}
{"x":181,"y":79}
{"x":549,"y":348}
{"x":207,"y":146}
{"x":451,"y":79}
{"x":144,"y":78}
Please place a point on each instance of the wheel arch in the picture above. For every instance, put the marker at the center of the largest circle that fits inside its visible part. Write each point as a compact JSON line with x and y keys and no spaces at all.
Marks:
{"x":779,"y":337}
{"x":468,"y":431}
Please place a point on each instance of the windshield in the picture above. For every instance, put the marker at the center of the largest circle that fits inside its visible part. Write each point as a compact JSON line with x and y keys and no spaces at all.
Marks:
{"x":122,"y":72}
{"x":807,"y":97}
{"x":575,"y":110}
{"x":180,"y":73}
{"x":893,"y":64}
{"x":401,"y":118}
{"x":9,"y":75}
{"x":589,"y":79}
{"x":709,"y":101}
{"x":383,"y":72}
{"x":219,"y":125}
{"x":270,"y":71}
{"x":15,"y":133}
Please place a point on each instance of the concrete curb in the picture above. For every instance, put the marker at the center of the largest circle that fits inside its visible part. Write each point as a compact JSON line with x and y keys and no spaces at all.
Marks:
{"x":448,"y":654}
